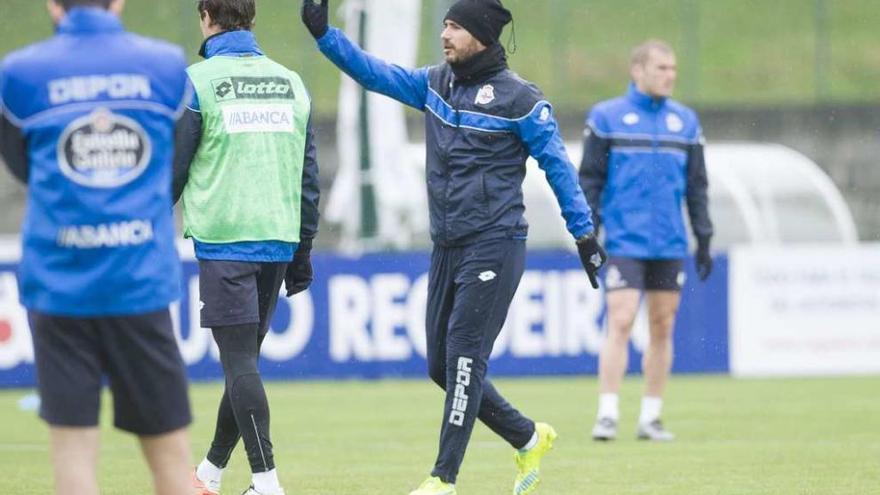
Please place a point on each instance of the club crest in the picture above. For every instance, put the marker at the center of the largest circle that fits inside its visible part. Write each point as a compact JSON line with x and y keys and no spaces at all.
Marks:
{"x":674,"y":123}
{"x":486,"y":95}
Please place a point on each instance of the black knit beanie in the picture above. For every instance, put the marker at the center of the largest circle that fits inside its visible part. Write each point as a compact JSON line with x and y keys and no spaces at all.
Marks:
{"x":484,"y":19}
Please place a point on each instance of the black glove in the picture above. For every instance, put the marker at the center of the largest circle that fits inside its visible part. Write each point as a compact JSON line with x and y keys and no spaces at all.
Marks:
{"x":315,"y":16}
{"x":593,"y":256}
{"x":704,"y":258}
{"x":299,"y":272}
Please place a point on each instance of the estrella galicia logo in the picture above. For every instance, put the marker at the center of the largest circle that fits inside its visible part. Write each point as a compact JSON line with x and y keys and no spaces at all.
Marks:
{"x":103,"y":149}
{"x":252,"y":88}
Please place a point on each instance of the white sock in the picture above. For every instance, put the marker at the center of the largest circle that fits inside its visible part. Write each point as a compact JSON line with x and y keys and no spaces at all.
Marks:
{"x":531,"y":444}
{"x":208,"y":472}
{"x":267,"y":482}
{"x":608,"y":407}
{"x":651,"y":408}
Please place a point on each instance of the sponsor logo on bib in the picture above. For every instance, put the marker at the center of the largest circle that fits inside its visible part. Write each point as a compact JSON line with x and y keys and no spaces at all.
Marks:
{"x":239,"y":119}
{"x":252,"y":88}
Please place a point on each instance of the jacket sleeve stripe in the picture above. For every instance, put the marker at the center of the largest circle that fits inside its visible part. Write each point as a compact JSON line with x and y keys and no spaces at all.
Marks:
{"x":540,"y":134}
{"x":520,"y":119}
{"x":469,"y":120}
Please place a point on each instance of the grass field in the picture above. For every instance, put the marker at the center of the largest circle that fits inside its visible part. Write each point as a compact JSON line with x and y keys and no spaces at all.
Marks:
{"x":732,"y":52}
{"x":816,"y":436}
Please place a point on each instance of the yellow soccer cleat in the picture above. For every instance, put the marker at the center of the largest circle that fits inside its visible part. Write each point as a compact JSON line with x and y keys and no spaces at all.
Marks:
{"x":528,"y":463}
{"x":434,"y":486}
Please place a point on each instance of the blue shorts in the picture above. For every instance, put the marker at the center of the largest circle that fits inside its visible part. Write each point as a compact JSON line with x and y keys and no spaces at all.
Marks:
{"x":137,"y":354}
{"x":644,"y":275}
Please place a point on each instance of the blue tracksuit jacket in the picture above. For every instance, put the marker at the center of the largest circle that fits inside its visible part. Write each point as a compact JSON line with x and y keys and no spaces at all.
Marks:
{"x":643,"y":158}
{"x":88,"y":120}
{"x":478,"y":138}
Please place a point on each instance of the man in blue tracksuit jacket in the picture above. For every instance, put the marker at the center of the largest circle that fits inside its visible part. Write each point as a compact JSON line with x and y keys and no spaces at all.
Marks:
{"x":87,"y":122}
{"x":643,"y":158}
{"x":482,"y":123}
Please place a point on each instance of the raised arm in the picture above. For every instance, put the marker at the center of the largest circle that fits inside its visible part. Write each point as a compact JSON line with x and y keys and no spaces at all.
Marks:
{"x":408,"y":86}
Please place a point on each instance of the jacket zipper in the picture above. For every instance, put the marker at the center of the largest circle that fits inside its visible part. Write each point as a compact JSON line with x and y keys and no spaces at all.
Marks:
{"x":446,"y":158}
{"x":655,"y":107}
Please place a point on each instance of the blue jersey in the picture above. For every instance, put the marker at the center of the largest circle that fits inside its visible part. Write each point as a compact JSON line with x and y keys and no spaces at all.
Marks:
{"x":478,"y":135}
{"x":643,"y":160}
{"x":95,"y":108}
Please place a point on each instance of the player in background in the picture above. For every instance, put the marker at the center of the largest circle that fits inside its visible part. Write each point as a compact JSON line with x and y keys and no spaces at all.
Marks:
{"x":248,"y":176}
{"x":643,"y":158}
{"x":482,"y":123}
{"x":87,"y":122}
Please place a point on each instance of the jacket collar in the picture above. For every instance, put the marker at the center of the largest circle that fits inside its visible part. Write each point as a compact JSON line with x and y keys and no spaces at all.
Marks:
{"x":89,"y":20}
{"x":241,"y":43}
{"x":643,"y":100}
{"x":481,"y":67}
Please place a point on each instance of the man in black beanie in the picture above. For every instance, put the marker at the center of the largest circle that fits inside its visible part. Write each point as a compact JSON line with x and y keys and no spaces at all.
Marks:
{"x":483,"y":19}
{"x":482,"y":123}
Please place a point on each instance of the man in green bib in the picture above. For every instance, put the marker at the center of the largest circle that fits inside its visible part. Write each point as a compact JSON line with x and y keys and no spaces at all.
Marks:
{"x":247,"y":176}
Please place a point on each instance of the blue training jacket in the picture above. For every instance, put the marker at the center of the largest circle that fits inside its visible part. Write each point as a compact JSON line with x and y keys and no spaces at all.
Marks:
{"x":643,"y":158}
{"x":478,"y":138}
{"x":94,"y":108}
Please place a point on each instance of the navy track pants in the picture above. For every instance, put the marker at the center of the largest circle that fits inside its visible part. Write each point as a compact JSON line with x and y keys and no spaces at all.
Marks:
{"x":469,"y":292}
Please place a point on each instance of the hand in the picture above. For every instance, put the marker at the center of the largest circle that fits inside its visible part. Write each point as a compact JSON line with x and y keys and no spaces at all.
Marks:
{"x":315,"y":16}
{"x":593,"y":256}
{"x":704,"y":259}
{"x":299,"y":275}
